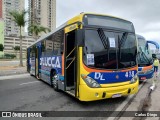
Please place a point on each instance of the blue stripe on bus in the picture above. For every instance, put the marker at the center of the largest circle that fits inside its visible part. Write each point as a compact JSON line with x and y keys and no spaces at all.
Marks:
{"x":48,"y":74}
{"x":45,"y":72}
{"x":147,"y":75}
{"x":61,"y":77}
{"x":112,"y":77}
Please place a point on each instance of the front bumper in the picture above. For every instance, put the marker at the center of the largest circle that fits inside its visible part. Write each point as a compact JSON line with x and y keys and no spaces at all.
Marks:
{"x":144,"y":76}
{"x":90,"y":94}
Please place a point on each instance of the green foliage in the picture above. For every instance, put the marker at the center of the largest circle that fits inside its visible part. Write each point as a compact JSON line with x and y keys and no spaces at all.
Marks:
{"x":1,"y":47}
{"x":9,"y":56}
{"x":16,"y":48}
{"x":37,"y":29}
{"x":19,"y":17}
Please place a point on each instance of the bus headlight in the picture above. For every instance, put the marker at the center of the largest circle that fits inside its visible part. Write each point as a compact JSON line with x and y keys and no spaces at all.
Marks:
{"x":90,"y":82}
{"x":134,"y":79}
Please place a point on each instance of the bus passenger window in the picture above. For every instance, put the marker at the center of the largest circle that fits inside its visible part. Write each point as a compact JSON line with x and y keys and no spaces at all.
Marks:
{"x":48,"y":44}
{"x":43,"y":46}
{"x":33,"y":51}
{"x":58,"y":42}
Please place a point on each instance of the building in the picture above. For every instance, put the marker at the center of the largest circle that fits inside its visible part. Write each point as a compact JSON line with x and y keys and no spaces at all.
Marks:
{"x":1,"y":8}
{"x":10,"y":27}
{"x":11,"y":42}
{"x":1,"y":35}
{"x":42,"y":12}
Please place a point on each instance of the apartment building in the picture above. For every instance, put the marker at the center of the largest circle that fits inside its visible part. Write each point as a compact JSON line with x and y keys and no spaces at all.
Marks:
{"x":11,"y":42}
{"x":42,"y":12}
{"x":1,"y":8}
{"x":1,"y":28}
{"x":1,"y":34}
{"x":10,"y":27}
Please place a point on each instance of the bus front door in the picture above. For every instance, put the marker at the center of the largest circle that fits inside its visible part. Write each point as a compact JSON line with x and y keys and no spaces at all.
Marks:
{"x":70,"y":62}
{"x":37,"y":62}
{"x":28,"y":59}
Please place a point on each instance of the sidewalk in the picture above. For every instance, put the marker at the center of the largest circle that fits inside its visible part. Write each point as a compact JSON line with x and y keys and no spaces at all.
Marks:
{"x":146,"y":101}
{"x":11,"y":68}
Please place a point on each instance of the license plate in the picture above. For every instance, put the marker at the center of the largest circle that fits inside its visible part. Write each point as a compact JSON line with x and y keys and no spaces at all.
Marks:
{"x":143,"y":78}
{"x":116,"y":95}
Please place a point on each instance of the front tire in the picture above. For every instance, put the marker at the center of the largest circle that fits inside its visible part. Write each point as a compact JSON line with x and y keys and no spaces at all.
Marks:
{"x":54,"y":81}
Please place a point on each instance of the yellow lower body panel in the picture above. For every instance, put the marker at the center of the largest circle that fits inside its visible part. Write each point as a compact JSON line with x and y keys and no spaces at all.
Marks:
{"x":90,"y":94}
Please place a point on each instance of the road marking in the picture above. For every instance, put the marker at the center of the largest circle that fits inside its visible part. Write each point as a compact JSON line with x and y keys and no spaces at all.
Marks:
{"x":28,"y":83}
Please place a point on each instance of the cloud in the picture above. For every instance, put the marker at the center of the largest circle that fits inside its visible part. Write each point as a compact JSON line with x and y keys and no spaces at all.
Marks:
{"x":144,"y":14}
{"x":152,"y":26}
{"x":152,"y":35}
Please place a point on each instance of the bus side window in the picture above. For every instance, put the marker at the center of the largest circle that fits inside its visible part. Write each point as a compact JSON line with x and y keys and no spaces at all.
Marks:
{"x":48,"y":46}
{"x":43,"y":46}
{"x":62,"y":41}
{"x":58,"y":42}
{"x":32,"y":51}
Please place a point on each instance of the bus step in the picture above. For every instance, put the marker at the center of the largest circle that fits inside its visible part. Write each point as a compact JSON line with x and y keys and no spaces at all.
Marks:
{"x":71,"y":92}
{"x":68,"y":59}
{"x":70,"y":88}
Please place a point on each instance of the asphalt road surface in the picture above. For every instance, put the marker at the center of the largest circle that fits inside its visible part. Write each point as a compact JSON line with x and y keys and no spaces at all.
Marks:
{"x":30,"y":94}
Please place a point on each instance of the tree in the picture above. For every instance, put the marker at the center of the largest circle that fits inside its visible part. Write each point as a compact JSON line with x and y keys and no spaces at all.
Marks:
{"x":1,"y":47}
{"x":36,"y":29}
{"x":19,"y":18}
{"x":16,"y":48}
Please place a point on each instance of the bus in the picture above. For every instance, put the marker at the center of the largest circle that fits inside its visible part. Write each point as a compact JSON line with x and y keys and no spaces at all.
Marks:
{"x":145,"y":61}
{"x":156,"y":51}
{"x":90,"y":57}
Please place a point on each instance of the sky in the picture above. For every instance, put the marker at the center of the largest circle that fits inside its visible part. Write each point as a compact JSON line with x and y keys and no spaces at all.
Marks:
{"x":144,"y":14}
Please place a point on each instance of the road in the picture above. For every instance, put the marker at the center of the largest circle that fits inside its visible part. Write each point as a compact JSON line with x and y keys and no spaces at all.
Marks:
{"x":29,"y":94}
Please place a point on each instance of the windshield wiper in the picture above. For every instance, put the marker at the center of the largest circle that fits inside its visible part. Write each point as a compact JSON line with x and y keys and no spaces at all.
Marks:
{"x":123,"y":39}
{"x":121,"y":43}
{"x":103,"y":38}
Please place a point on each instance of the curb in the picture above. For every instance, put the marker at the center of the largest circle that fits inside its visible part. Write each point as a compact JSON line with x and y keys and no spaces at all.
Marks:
{"x":124,"y":105}
{"x":14,"y":76}
{"x":6,"y":73}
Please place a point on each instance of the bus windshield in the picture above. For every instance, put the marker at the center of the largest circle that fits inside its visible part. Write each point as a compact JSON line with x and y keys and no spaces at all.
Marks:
{"x":109,"y":50}
{"x":141,"y":42}
{"x":145,"y":55}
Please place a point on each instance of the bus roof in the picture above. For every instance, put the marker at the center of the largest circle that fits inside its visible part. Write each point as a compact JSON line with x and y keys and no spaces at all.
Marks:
{"x":78,"y":18}
{"x":140,"y":37}
{"x":48,"y":34}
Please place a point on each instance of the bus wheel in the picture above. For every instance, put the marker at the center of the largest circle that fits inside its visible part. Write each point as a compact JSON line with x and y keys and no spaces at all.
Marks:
{"x":54,"y":81}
